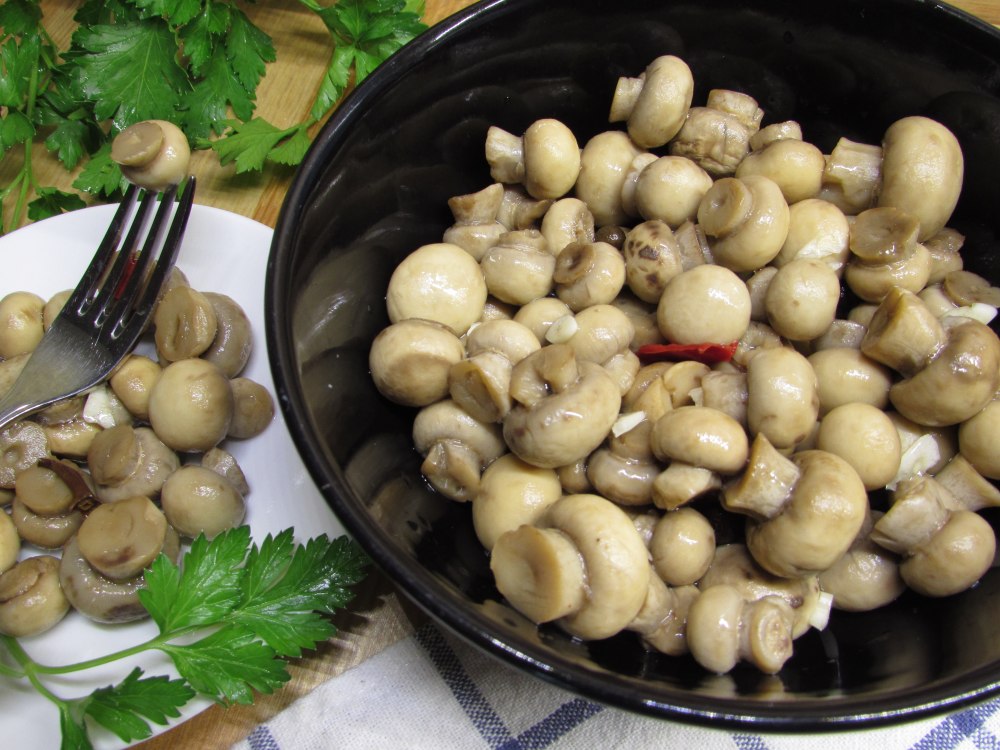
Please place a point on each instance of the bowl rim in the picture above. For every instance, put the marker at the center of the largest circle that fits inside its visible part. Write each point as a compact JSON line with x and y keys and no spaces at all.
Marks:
{"x":429,"y":592}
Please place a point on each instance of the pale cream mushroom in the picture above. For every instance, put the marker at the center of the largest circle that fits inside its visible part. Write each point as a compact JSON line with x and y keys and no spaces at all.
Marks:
{"x":925,"y":450}
{"x":604,"y":165}
{"x":53,"y":307}
{"x":539,"y":315}
{"x":224,"y":463}
{"x":153,"y":154}
{"x":10,"y":370}
{"x":132,"y":382}
{"x":782,"y":397}
{"x":568,"y":221}
{"x":588,"y":273}
{"x":518,"y":210}
{"x":662,"y":621}
{"x":519,"y":268}
{"x":185,"y":324}
{"x":191,"y":406}
{"x":409,"y":361}
{"x":584,"y":566}
{"x":945,"y":548}
{"x":31,"y":600}
{"x":969,"y":488}
{"x":903,"y":333}
{"x":652,"y":258}
{"x":846,"y":375}
{"x":624,"y":469}
{"x":885,"y":254}
{"x":546,"y":159}
{"x":476,"y":227}
{"x":22,"y":444}
{"x":717,"y":136}
{"x":643,"y":317}
{"x":682,"y":546}
{"x":126,"y":461}
{"x":852,"y":176}
{"x":865,"y":437}
{"x":602,"y":332}
{"x":757,"y":337}
{"x":794,"y":165}
{"x":655,"y":104}
{"x":564,"y":408}
{"x":801,"y":300}
{"x":803,"y":512}
{"x":438,"y":282}
{"x":705,"y":304}
{"x":20,"y":323}
{"x":670,"y":189}
{"x":197,"y":500}
{"x":233,"y":343}
{"x":121,"y":539}
{"x":635,"y":169}
{"x":922,"y":172}
{"x":71,"y":439}
{"x":746,"y":221}
{"x":816,"y":229}
{"x":45,"y":531}
{"x":10,"y":542}
{"x":757,"y":284}
{"x":511,"y":493}
{"x":866,"y":577}
{"x":723,"y":628}
{"x":978,"y":439}
{"x":456,"y":448}
{"x":253,"y":409}
{"x":726,"y":391}
{"x":840,"y":335}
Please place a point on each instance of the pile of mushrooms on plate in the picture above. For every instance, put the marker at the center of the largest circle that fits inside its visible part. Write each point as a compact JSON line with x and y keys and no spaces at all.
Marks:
{"x":611,"y":338}
{"x":95,"y":487}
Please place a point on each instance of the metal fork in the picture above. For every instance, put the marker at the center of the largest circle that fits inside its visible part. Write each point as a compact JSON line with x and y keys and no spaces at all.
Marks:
{"x":108,"y":311}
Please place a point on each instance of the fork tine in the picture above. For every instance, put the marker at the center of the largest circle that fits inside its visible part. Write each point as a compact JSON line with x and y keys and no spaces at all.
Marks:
{"x":143,"y":287}
{"x":105,"y":252}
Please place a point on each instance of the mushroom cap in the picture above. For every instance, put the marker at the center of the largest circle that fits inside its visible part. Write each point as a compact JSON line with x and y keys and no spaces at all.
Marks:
{"x":816,"y":229}
{"x":519,"y":268}
{"x":866,"y":577}
{"x":953,"y":559}
{"x":713,"y":628}
{"x":511,"y":492}
{"x":551,"y":159}
{"x":197,"y":500}
{"x":845,"y":375}
{"x":702,"y":437}
{"x":233,"y":342}
{"x":588,"y":273}
{"x":682,"y":546}
{"x":126,"y":461}
{"x":795,"y":166}
{"x":801,"y":300}
{"x":121,"y":539}
{"x":652,"y":258}
{"x":153,"y":154}
{"x":604,"y":164}
{"x":185,"y":324}
{"x":409,"y":361}
{"x":438,"y":282}
{"x":782,"y":399}
{"x":705,"y":304}
{"x":865,"y":437}
{"x":662,"y":105}
{"x":132,"y":382}
{"x":670,"y":189}
{"x":31,"y":600}
{"x":191,"y":406}
{"x":253,"y":408}
{"x":20,"y":323}
{"x":978,"y":438}
{"x":10,"y":542}
{"x":746,"y":221}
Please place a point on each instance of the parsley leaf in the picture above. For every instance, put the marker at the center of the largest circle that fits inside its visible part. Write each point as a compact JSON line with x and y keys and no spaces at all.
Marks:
{"x":248,"y":49}
{"x":250,"y":143}
{"x":52,"y":202}
{"x":126,"y":708}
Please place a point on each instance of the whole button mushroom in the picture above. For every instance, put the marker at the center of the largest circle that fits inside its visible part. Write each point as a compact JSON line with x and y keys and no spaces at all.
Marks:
{"x":185,"y":323}
{"x":845,"y":375}
{"x":782,"y":399}
{"x":438,"y":282}
{"x":511,"y":493}
{"x":604,"y":164}
{"x":794,"y":165}
{"x":546,"y":159}
{"x":568,"y":220}
{"x":816,"y":229}
{"x":922,"y":171}
{"x":852,"y":176}
{"x":20,"y":323}
{"x":682,"y":546}
{"x":410,"y":360}
{"x":45,"y":531}
{"x":866,"y":577}
{"x":253,"y":409}
{"x":588,"y":273}
{"x":224,"y":463}
{"x":652,"y":258}
{"x":565,"y":407}
{"x":804,"y":511}
{"x":885,"y":254}
{"x":746,"y":221}
{"x":233,"y":343}
{"x":662,"y":621}
{"x":539,"y":315}
{"x":670,"y":189}
{"x":624,"y":469}
{"x":121,"y":539}
{"x":717,"y":136}
{"x":978,"y":439}
{"x":126,"y":461}
{"x":801,"y":300}
{"x":655,"y":104}
{"x":705,"y":304}
{"x":153,"y":154}
{"x":31,"y":600}
{"x":132,"y":382}
{"x":476,"y":227}
{"x":191,"y":406}
{"x":865,"y":437}
{"x":197,"y":500}
{"x":584,"y":565}
{"x":519,"y":268}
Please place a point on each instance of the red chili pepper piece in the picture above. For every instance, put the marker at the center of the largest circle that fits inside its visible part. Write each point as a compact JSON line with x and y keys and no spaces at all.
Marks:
{"x":708,"y":354}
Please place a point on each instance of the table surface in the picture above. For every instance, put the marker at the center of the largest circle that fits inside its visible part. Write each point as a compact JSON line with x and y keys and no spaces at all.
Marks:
{"x":378,"y":617}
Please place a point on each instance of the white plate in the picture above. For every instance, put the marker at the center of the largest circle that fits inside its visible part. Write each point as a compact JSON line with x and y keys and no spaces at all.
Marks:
{"x":222,"y":252}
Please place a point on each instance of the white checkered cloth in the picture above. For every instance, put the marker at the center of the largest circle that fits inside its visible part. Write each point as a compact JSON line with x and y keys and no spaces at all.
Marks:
{"x":432,"y":691}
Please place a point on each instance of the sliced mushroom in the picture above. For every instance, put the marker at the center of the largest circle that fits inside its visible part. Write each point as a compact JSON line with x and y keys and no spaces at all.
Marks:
{"x":31,"y":600}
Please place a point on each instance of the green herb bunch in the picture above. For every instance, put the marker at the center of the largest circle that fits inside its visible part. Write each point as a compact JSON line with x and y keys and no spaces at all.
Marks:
{"x":196,"y":63}
{"x":229,"y":618}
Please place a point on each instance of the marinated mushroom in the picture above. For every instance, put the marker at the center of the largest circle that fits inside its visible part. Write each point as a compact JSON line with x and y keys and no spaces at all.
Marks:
{"x":922,"y":171}
{"x":31,"y":599}
{"x":852,"y":176}
{"x":588,"y":273}
{"x":846,"y":375}
{"x":546,"y":159}
{"x":185,"y":324}
{"x":584,"y":566}
{"x":476,"y":227}
{"x":819,"y":230}
{"x":604,"y":165}
{"x":670,"y":189}
{"x":153,"y":154}
{"x":409,"y":361}
{"x":511,"y":493}
{"x":121,"y":539}
{"x":794,"y":165}
{"x":564,"y":407}
{"x":133,"y":381}
{"x":745,"y":220}
{"x":10,"y":542}
{"x":20,"y":323}
{"x":438,"y":282}
{"x":682,"y":546}
{"x":233,"y":342}
{"x":717,"y":136}
{"x":865,"y":437}
{"x":885,"y":254}
{"x":22,"y":444}
{"x":191,"y":406}
{"x":456,"y":448}
{"x":705,"y":304}
{"x":978,"y":439}
{"x":654,"y":105}
{"x":866,"y":577}
{"x":519,"y":268}
{"x":782,"y":397}
{"x":253,"y":408}
{"x":539,"y":315}
{"x":568,"y":221}
{"x":801,"y":300}
{"x":224,"y":463}
{"x":45,"y":531}
{"x":197,"y":500}
{"x":126,"y":461}
{"x":652,"y":258}
{"x":662,"y":621}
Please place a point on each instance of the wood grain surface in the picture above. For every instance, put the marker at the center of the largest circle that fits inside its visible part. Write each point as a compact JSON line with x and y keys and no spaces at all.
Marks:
{"x":378,"y":616}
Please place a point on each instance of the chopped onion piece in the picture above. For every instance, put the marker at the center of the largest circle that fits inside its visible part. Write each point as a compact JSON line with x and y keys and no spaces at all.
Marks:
{"x":627,"y":422}
{"x":104,"y":409}
{"x":921,"y":454}
{"x":562,"y":329}
{"x":697,"y":395}
{"x":819,"y":616}
{"x":977,"y":311}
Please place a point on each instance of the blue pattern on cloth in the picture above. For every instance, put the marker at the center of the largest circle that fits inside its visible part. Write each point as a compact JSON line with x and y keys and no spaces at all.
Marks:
{"x":456,"y":689}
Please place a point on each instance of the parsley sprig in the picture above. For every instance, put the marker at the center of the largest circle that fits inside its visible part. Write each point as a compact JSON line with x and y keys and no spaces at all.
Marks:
{"x":197,"y":63}
{"x":229,"y":617}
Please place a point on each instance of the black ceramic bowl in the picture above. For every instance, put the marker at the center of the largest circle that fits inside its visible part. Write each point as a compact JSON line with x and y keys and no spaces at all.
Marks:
{"x":374,"y":187}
